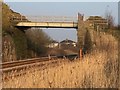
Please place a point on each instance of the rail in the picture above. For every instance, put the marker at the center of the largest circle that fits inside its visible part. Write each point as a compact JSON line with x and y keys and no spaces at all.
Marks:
{"x":14,"y":65}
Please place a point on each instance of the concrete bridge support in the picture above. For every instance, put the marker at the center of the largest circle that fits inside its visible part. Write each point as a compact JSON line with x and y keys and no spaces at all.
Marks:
{"x":84,"y":35}
{"x":80,"y":32}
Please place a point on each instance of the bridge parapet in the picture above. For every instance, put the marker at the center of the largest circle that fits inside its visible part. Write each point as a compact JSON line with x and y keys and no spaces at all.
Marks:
{"x":44,"y":19}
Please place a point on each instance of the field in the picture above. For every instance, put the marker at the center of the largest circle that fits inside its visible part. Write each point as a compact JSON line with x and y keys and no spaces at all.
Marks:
{"x":98,"y":69}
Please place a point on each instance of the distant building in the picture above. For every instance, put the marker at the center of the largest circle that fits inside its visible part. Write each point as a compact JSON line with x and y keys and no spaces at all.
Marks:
{"x":97,"y":22}
{"x":53,"y":44}
{"x":68,"y":43}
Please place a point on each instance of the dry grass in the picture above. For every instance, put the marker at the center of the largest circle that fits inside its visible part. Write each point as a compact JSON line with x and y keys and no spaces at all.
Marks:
{"x":99,"y":69}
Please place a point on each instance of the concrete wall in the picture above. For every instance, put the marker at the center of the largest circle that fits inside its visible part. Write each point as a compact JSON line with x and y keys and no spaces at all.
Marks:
{"x":86,"y":35}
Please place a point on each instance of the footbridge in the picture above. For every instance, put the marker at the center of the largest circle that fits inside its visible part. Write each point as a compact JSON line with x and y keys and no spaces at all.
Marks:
{"x":47,"y":21}
{"x":76,"y":23}
{"x":85,"y":29}
{"x":48,"y":24}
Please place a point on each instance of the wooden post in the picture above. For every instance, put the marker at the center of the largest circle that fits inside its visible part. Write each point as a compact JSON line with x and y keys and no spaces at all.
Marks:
{"x":80,"y":53}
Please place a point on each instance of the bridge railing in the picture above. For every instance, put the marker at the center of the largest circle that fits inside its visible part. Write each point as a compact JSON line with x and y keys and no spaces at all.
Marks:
{"x":44,"y":19}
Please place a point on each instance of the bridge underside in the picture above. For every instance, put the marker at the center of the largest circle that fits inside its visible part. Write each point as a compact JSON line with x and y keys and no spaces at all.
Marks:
{"x":47,"y":25}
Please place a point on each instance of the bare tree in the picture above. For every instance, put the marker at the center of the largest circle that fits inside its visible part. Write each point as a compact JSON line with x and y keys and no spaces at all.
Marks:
{"x":110,"y":18}
{"x":37,"y":41}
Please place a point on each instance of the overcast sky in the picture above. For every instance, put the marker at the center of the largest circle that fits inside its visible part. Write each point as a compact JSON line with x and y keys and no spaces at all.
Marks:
{"x":64,"y":9}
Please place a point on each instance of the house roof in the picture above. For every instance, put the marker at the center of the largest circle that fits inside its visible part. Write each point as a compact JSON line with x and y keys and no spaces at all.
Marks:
{"x":67,"y":41}
{"x":53,"y":41}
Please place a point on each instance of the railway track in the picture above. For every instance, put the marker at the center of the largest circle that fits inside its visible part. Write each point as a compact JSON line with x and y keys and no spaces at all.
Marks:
{"x":18,"y":65}
{"x":27,"y":61}
{"x":19,"y":68}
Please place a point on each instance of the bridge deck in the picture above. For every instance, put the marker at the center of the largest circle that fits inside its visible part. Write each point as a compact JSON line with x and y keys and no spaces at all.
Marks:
{"x":48,"y":24}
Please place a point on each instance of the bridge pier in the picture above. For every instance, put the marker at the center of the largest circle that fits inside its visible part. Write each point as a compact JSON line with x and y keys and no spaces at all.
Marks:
{"x":80,"y":31}
{"x":84,"y":35}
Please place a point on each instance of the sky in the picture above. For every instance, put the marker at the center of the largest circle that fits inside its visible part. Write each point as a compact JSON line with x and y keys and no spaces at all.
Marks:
{"x":64,"y":9}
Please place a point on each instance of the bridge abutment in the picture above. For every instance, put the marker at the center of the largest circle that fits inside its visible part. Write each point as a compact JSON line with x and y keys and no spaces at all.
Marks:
{"x":84,"y":35}
{"x":80,"y":31}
